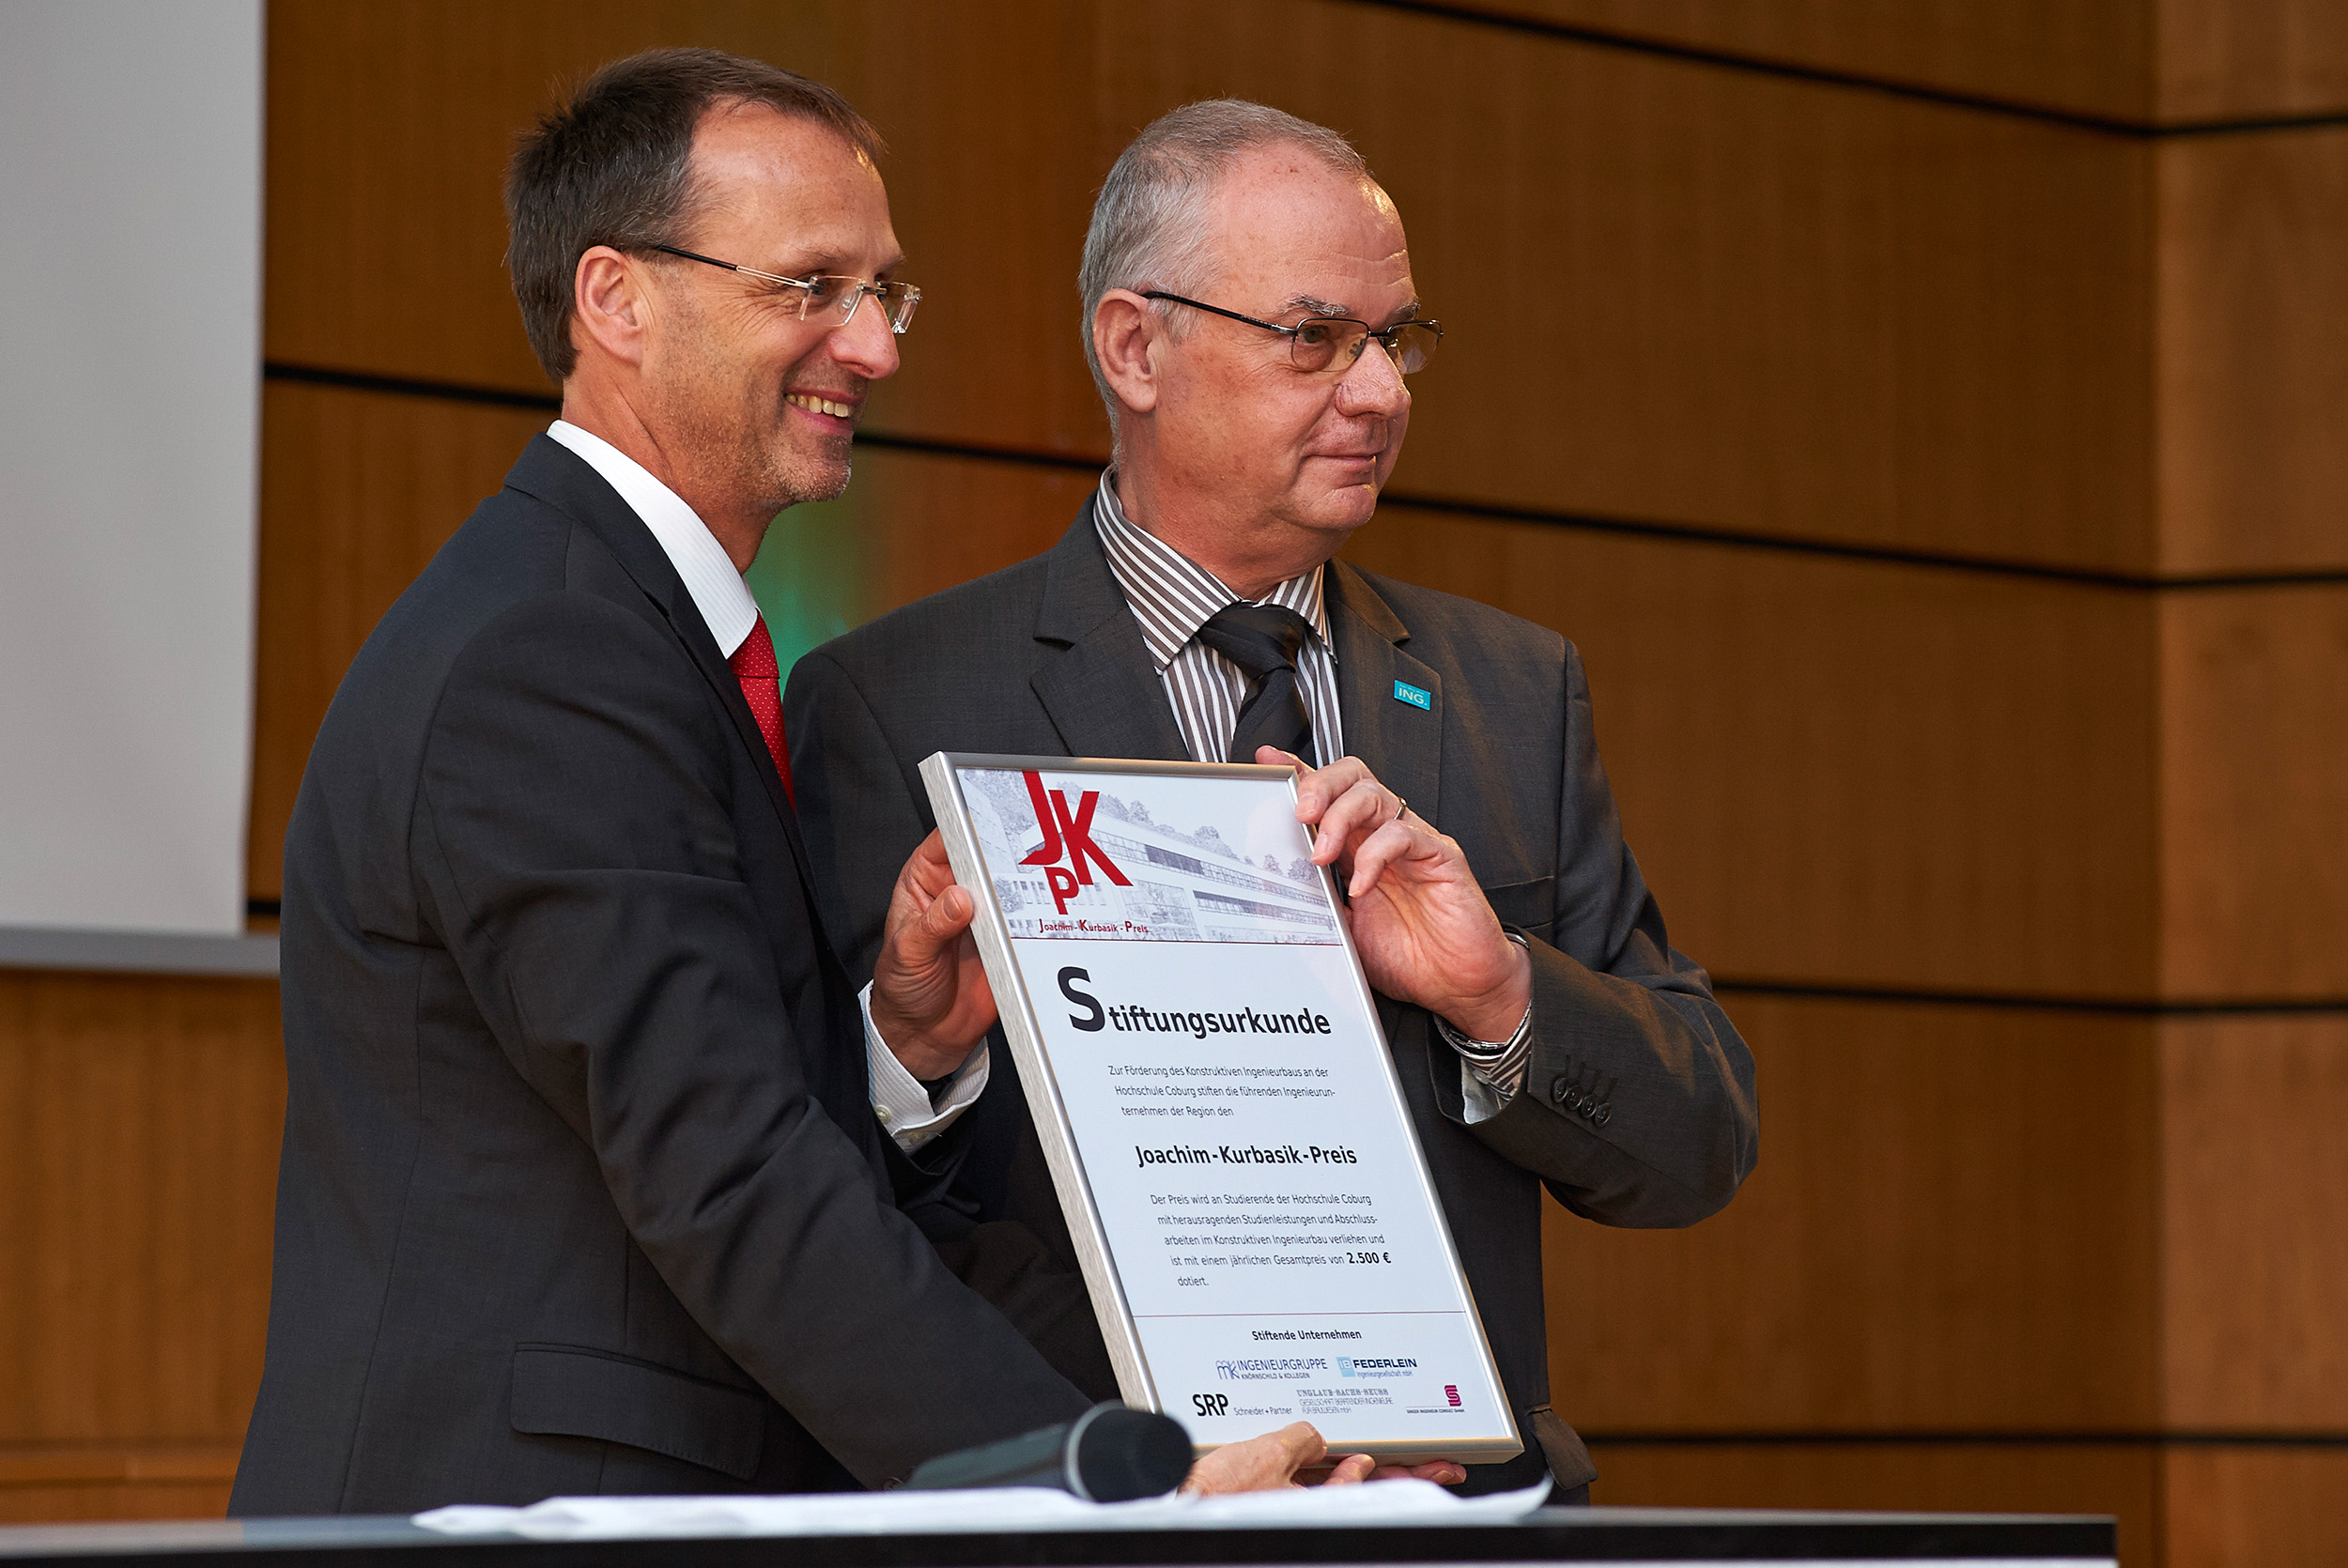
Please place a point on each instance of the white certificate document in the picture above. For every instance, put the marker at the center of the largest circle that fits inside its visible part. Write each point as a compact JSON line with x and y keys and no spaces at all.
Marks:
{"x":1215,"y":1098}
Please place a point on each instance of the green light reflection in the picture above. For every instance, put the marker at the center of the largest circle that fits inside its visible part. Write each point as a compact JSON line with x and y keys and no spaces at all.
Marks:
{"x":809,"y":578}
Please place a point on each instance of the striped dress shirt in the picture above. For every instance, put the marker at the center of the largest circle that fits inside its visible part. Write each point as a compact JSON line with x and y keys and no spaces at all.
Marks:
{"x":1172,"y":597}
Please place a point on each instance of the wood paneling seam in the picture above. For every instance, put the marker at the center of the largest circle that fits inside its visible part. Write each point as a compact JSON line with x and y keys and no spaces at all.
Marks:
{"x":1825,"y":76}
{"x":1688,"y":533}
{"x":2034,"y":1002}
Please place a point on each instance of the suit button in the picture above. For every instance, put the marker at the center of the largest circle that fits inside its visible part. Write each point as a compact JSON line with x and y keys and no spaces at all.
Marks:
{"x":1604,"y":1114}
{"x":1561,"y":1089}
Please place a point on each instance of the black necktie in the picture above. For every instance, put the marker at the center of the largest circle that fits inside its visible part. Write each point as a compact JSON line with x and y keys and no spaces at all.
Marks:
{"x":1264,"y":641}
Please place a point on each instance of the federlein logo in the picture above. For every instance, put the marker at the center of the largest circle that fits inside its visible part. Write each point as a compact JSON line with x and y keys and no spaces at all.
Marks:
{"x":1068,"y":833}
{"x":1377,"y":1366}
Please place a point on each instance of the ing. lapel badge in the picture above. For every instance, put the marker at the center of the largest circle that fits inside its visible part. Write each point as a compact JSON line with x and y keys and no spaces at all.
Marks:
{"x":1417,"y":697}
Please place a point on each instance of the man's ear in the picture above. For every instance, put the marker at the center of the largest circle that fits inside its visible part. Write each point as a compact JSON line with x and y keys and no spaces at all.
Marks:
{"x":1127,"y":332}
{"x":610,"y":308}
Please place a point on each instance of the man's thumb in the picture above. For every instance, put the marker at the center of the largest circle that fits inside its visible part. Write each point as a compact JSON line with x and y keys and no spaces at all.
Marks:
{"x":1306,"y":1445}
{"x":948,"y":914}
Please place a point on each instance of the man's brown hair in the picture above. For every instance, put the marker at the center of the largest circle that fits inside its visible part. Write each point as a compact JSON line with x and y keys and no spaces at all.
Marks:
{"x":613,"y":167}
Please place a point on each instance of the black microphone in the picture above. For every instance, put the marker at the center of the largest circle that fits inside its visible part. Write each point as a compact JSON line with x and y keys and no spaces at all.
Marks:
{"x":1107,"y":1454}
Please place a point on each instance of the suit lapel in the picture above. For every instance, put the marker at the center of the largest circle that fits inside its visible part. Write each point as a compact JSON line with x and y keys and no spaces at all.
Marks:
{"x":1102,"y":693}
{"x":559,"y":477}
{"x":1401,"y":742}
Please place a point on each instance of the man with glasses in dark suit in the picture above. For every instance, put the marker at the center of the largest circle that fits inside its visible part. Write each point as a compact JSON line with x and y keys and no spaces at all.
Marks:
{"x":585,"y":1187}
{"x":1250,"y":317}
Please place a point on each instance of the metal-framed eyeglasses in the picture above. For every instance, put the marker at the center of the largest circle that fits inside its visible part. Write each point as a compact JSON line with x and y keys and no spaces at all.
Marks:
{"x":824,"y":292}
{"x":1323,"y":342}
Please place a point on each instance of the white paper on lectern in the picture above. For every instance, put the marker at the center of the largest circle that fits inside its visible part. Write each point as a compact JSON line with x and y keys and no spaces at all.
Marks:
{"x":1385,"y":1504}
{"x":1213,"y":1091}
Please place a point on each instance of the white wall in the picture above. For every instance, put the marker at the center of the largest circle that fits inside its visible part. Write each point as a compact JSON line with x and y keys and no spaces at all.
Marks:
{"x":129,"y":347}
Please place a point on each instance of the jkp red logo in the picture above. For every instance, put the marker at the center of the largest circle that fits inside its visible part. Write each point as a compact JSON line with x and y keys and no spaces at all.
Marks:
{"x":1069,"y":834}
{"x":1451,"y":1393}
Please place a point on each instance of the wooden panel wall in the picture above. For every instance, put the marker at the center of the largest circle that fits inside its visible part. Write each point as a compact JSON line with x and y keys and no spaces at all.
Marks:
{"x":2131,"y":62}
{"x":1849,"y":431}
{"x":2251,"y":253}
{"x":2119,"y":1478}
{"x":1848,"y":773}
{"x":2253,"y":369}
{"x":2092,"y":57}
{"x":2255,"y":1207}
{"x":139,"y":1123}
{"x":1731,"y":300}
{"x":2220,"y":60}
{"x":358,"y":490}
{"x":1952,"y":1229}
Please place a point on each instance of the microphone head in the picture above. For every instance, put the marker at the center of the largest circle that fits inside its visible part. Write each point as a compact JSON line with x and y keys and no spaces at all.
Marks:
{"x":1116,"y":1454}
{"x":1107,"y":1454}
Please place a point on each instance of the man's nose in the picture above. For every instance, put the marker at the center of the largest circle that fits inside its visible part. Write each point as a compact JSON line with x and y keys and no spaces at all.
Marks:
{"x":1374,"y":384}
{"x":864,"y":342}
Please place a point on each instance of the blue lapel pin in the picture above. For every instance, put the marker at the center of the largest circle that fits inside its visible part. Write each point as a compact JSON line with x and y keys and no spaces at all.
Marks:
{"x":1417,"y":697}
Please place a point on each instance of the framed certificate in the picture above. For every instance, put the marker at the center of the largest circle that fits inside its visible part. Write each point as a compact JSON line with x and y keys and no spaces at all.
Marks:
{"x":1214,"y":1096}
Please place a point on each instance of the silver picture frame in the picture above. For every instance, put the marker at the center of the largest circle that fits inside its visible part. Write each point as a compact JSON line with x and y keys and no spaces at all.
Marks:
{"x":1022,"y":1027}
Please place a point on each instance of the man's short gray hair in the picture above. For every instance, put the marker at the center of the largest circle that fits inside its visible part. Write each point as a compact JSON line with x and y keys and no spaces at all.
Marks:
{"x":1148,"y":224}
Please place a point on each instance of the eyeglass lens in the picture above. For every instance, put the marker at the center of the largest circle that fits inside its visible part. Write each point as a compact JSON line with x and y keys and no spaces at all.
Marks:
{"x":1321,"y":342}
{"x":841,"y":296}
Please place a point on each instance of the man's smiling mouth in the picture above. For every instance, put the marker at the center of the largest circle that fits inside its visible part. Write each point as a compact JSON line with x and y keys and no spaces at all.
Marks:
{"x":821,"y":405}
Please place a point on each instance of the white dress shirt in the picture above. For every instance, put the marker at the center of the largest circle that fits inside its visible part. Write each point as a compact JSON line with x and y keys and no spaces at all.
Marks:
{"x":899,"y":1101}
{"x":1171,"y":597}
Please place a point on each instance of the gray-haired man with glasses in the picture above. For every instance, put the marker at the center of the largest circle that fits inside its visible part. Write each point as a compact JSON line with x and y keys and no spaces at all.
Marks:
{"x":1240,"y":265}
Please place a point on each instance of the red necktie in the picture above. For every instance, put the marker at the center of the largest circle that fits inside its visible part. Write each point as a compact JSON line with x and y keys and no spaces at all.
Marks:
{"x":762,"y":688}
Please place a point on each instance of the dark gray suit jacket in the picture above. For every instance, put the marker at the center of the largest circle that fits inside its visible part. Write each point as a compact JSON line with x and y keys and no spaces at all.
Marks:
{"x":1639,"y":1107}
{"x":581,"y":1189}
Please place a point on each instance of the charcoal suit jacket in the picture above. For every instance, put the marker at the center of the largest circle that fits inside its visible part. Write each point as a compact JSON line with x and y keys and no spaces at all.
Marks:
{"x":580,"y":1189}
{"x":1639,"y":1105}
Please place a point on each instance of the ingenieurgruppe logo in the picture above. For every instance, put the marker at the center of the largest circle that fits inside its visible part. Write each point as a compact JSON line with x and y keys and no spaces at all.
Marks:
{"x":1286,"y":1369}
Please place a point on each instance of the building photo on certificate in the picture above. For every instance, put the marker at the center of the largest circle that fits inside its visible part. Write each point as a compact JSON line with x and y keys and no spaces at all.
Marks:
{"x":1147,"y":859}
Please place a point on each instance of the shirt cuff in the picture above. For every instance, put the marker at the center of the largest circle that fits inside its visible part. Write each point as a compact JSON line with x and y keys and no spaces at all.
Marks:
{"x":1491,"y":1071}
{"x":1478,"y":1098}
{"x":900,"y":1103}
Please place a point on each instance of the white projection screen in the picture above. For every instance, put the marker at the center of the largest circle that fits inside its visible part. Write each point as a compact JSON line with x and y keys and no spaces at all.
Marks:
{"x":130,"y":311}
